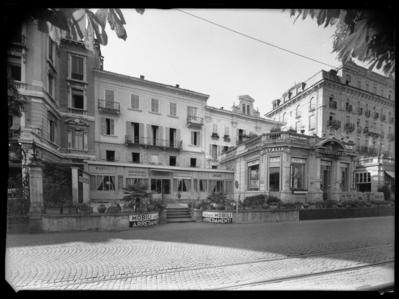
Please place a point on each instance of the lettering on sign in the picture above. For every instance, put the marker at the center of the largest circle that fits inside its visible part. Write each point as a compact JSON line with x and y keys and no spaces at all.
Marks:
{"x":273,"y":149}
{"x":274,"y":159}
{"x":253,"y":163}
{"x":101,"y":169}
{"x":298,"y":160}
{"x":137,"y":172}
{"x":218,"y":175}
{"x":143,"y":219}
{"x":217,"y":217}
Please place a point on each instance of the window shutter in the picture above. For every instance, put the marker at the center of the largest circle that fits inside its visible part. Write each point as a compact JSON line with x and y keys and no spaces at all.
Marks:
{"x":199,"y":138}
{"x":111,"y":123}
{"x":129,"y":156}
{"x":178,"y":136}
{"x":85,"y":141}
{"x":218,"y":150}
{"x":102,"y":154}
{"x":210,"y":149}
{"x":116,"y":155}
{"x":103,"y":126}
{"x":69,"y":139}
{"x":167,"y":132}
{"x":141,"y":132}
{"x":149,"y":134}
{"x":160,"y":135}
{"x":128,"y":129}
{"x":192,"y":137}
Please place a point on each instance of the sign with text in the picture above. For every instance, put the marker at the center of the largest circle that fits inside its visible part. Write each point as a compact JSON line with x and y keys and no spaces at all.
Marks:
{"x":217,"y":217}
{"x":143,"y":219}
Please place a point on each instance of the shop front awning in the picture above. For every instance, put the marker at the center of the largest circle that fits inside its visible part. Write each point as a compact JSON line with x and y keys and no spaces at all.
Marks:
{"x":390,"y":173}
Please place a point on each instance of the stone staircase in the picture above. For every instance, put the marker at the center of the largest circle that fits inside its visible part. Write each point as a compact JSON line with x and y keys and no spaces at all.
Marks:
{"x":178,"y":213}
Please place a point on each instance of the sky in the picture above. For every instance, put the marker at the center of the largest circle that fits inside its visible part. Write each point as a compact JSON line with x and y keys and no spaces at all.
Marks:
{"x":170,"y":47}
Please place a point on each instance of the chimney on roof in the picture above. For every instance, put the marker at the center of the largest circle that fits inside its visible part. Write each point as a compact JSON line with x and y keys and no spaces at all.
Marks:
{"x":177,"y":86}
{"x":142,"y":77}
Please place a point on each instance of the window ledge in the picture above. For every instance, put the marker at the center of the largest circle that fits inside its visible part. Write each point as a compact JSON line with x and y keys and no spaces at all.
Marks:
{"x":157,"y":113}
{"x":133,"y":109}
{"x":173,"y":116}
{"x":77,"y":81}
{"x":114,"y":136}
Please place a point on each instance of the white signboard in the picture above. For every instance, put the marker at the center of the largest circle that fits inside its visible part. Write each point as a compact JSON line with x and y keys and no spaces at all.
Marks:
{"x":298,"y":160}
{"x":143,"y":219}
{"x":217,"y":217}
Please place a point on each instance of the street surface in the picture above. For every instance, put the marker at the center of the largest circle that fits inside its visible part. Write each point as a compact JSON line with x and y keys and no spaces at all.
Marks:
{"x":339,"y":254}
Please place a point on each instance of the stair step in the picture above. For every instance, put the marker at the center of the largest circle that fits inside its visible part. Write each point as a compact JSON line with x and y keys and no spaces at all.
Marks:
{"x":180,"y":220}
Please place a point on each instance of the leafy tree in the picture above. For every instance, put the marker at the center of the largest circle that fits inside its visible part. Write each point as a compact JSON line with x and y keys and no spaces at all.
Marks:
{"x":140,"y":199}
{"x":367,"y":35}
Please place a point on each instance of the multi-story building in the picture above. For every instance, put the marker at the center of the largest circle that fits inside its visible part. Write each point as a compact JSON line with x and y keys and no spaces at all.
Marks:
{"x":159,"y":134}
{"x":351,"y":104}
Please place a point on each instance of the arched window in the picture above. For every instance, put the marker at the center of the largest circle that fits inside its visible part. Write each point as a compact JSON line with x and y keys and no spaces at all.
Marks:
{"x":285,"y":117}
{"x":298,"y":111}
{"x":312,"y":104}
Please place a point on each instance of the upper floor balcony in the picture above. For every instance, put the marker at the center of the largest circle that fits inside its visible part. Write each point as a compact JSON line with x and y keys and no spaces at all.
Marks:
{"x":334,"y":124}
{"x":109,"y":107}
{"x":195,"y":121}
{"x":349,"y":127}
{"x":215,"y":136}
{"x":332,"y":105}
{"x":164,"y":144}
{"x":77,"y":111}
{"x":226,"y":138}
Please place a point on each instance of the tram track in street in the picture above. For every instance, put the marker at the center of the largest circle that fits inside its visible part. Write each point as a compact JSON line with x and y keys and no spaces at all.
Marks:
{"x":172,"y":271}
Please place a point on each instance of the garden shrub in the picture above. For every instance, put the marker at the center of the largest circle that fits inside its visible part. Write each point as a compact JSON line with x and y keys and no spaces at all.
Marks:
{"x":114,"y":209}
{"x":290,"y":205}
{"x":255,"y":201}
{"x":329,"y":203}
{"x":272,"y":200}
{"x":101,"y":208}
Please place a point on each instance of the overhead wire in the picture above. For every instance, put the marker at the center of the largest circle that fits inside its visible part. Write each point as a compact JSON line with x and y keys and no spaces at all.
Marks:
{"x":256,"y":39}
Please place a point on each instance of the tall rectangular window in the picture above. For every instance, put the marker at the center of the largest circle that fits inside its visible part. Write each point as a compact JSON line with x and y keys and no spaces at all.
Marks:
{"x":195,"y":135}
{"x":135,"y":101}
{"x":77,"y":140}
{"x":312,"y":122}
{"x":77,"y":99}
{"x":253,"y":177}
{"x":193,"y":162}
{"x":215,"y":128}
{"x":274,"y":178}
{"x":102,"y":183}
{"x":155,"y":105}
{"x":77,"y":68}
{"x":51,"y":86}
{"x":108,"y":126}
{"x":173,"y":109}
{"x":51,"y":46}
{"x":136,"y":157}
{"x":109,"y":95}
{"x":203,"y":185}
{"x":110,"y":155}
{"x":52,"y":130}
{"x":226,"y":131}
{"x":14,"y":68}
{"x":298,"y":174}
{"x":192,"y":111}
{"x":172,"y":160}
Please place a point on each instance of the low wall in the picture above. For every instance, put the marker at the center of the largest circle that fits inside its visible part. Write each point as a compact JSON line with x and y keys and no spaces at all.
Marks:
{"x":251,"y":216}
{"x":96,"y":222}
{"x":313,"y":214}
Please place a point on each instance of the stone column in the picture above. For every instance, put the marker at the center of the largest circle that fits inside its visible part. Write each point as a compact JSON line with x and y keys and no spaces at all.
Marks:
{"x":86,"y":188}
{"x":36,"y":198}
{"x":335,"y":180}
{"x":314,"y":191}
{"x":75,"y":190}
{"x":285,"y":192}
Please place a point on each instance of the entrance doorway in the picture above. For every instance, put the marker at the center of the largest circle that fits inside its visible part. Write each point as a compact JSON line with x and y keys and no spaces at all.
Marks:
{"x":325,"y":180}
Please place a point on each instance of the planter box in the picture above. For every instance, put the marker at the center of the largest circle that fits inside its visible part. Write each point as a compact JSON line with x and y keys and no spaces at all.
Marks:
{"x":251,"y":216}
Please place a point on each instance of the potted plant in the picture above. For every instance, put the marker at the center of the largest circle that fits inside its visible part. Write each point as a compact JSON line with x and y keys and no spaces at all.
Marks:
{"x":101,"y":208}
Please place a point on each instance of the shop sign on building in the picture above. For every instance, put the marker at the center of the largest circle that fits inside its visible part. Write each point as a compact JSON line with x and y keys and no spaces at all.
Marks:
{"x":143,"y":219}
{"x":217,"y":217}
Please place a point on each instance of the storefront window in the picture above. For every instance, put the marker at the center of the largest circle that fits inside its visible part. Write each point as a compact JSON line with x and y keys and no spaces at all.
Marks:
{"x":202,"y":185}
{"x":102,"y":183}
{"x":274,"y":178}
{"x":253,"y":177}
{"x":216,"y":186}
{"x":298,"y":174}
{"x":156,"y":186}
{"x":344,"y":179}
{"x":182,"y":185}
{"x":134,"y":181}
{"x":363,"y":181}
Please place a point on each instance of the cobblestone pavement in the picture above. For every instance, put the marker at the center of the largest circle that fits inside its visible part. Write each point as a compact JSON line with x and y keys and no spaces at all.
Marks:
{"x":203,"y":256}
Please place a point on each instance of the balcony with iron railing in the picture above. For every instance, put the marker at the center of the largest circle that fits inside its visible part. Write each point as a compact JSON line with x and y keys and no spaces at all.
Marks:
{"x":165,"y":144}
{"x":334,"y":124}
{"x":332,"y":105}
{"x":79,"y":111}
{"x":348,"y":108}
{"x":370,"y":131}
{"x":349,"y":127}
{"x":110,"y":107}
{"x":195,"y":121}
{"x":226,"y":138}
{"x":215,"y":136}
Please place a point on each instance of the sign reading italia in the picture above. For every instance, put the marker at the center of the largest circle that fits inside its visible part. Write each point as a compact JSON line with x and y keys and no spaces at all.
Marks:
{"x":217,"y":217}
{"x":143,"y":219}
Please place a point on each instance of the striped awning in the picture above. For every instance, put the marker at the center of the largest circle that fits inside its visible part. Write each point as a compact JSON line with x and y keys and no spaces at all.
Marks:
{"x":390,"y":173}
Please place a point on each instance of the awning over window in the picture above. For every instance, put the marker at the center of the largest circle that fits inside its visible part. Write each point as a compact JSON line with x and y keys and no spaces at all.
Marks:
{"x":390,"y":173}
